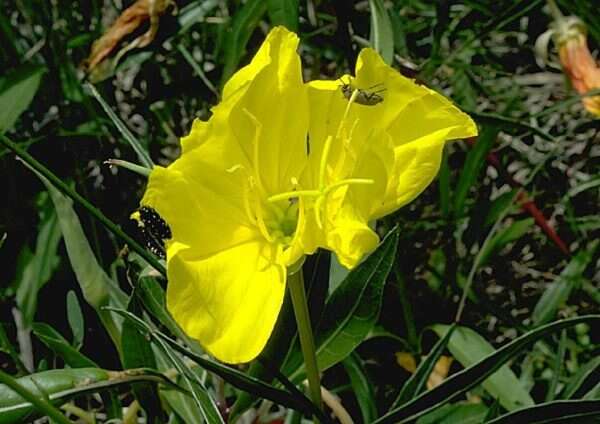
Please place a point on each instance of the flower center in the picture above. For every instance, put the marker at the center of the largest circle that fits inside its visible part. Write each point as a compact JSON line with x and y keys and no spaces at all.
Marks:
{"x":281,"y":221}
{"x":321,"y":194}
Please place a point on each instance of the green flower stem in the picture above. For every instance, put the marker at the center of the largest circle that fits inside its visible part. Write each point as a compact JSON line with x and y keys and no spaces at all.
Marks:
{"x":140,"y":170}
{"x":296,"y":286}
{"x":95,"y":212}
{"x":40,"y":403}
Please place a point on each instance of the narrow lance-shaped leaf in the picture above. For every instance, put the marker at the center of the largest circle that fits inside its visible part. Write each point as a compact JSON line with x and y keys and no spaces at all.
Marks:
{"x":558,"y":292}
{"x":456,"y":413}
{"x":61,"y":385}
{"x":231,"y":375}
{"x":17,"y":90}
{"x":37,"y":267}
{"x":416,"y":383}
{"x":238,"y":33}
{"x":284,"y":12}
{"x":513,"y":232}
{"x":353,"y":308}
{"x":560,"y":411}
{"x":97,"y":288}
{"x":468,"y":348}
{"x":473,"y":164}
{"x":61,"y":347}
{"x":587,"y":376}
{"x":361,"y":386}
{"x":464,"y":380}
{"x":137,"y":352}
{"x":382,"y":33}
{"x":75,"y":318}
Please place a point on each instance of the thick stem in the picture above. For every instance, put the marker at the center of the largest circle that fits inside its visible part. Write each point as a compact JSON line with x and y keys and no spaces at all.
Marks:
{"x":296,"y":287}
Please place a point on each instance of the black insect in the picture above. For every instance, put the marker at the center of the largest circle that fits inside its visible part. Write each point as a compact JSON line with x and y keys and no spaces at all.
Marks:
{"x":366,"y":97}
{"x":154,"y":230}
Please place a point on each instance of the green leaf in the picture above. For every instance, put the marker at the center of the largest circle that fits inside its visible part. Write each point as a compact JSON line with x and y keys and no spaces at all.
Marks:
{"x":586,"y":376}
{"x":361,"y":387}
{"x":457,"y":413}
{"x":466,"y":379}
{"x":152,"y":298}
{"x":238,"y":33}
{"x":140,"y":151}
{"x":468,"y":347}
{"x":416,"y":383}
{"x":7,"y":347}
{"x":352,"y":310}
{"x":97,"y":288}
{"x":560,"y":411}
{"x":92,"y":279}
{"x":59,"y":345}
{"x":473,"y":165}
{"x":382,"y":33}
{"x":513,"y":232}
{"x":137,"y":352}
{"x":61,"y":385}
{"x":231,"y":375}
{"x":557,"y":294}
{"x":284,"y":12}
{"x":75,"y":318}
{"x":39,"y":402}
{"x":41,"y":170}
{"x":38,"y":267}
{"x":498,"y":207}
{"x":17,"y":90}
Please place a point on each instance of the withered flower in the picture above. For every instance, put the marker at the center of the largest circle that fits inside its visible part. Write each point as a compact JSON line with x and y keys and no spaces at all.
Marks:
{"x":570,"y":36}
{"x":100,"y":64}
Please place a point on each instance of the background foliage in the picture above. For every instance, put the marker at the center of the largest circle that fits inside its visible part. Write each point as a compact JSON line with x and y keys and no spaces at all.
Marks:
{"x":75,"y":303}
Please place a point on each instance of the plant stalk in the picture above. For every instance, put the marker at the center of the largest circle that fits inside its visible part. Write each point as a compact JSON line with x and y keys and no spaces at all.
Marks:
{"x":95,"y":212}
{"x":296,"y":286}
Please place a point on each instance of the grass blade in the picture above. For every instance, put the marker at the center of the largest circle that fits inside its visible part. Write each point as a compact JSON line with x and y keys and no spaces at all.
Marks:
{"x":141,"y":153}
{"x":38,"y":402}
{"x":68,"y":191}
{"x":468,"y":347}
{"x":558,"y":292}
{"x":464,"y":380}
{"x":284,"y":12}
{"x":415,"y":384}
{"x":560,"y":411}
{"x":245,"y":21}
{"x":382,"y":33}
{"x":17,"y":90}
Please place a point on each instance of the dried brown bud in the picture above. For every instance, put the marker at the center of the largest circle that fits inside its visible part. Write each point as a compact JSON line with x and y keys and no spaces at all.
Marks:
{"x":100,"y":63}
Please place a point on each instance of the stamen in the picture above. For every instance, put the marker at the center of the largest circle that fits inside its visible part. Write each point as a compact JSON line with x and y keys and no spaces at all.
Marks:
{"x":321,"y":202}
{"x":296,"y":194}
{"x":323,"y":164}
{"x":255,"y":153}
{"x":349,"y":181}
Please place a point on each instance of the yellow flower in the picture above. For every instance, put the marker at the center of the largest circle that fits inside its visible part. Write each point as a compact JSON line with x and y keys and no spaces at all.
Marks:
{"x":280,"y":169}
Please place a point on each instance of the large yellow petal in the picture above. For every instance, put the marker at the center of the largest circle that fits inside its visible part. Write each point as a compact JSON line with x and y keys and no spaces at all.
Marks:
{"x":203,"y":205}
{"x":230,"y":301}
{"x":273,"y":112}
{"x":264,"y":112}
